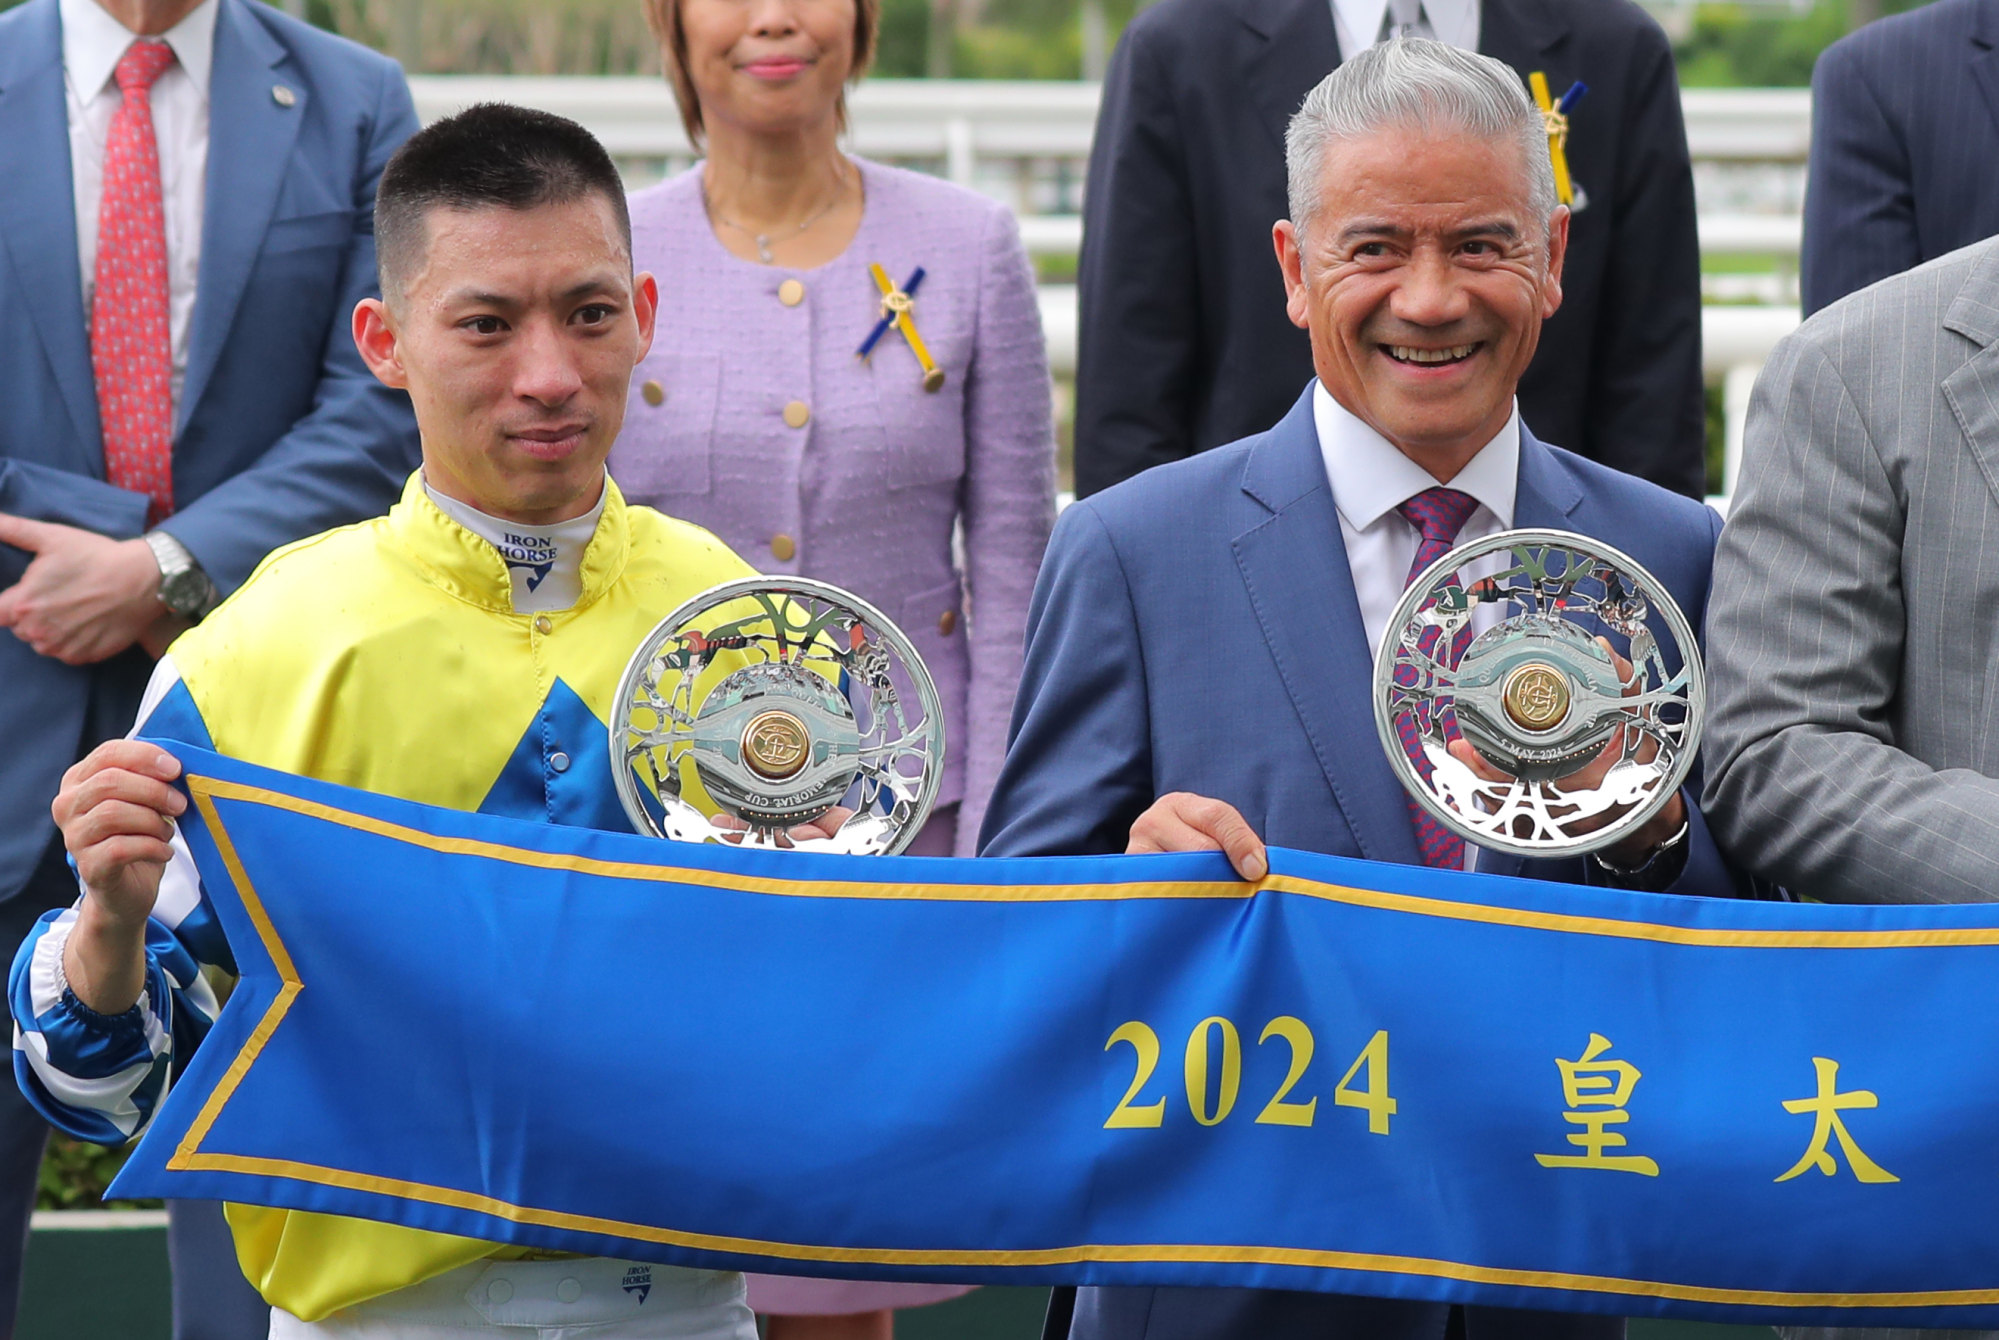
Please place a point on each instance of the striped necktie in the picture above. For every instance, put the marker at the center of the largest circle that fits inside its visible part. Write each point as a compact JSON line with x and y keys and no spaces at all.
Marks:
{"x":1439,"y":514}
{"x":131,"y":341}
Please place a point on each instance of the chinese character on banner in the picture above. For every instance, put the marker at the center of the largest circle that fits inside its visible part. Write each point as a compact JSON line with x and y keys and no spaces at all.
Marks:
{"x":1827,"y":1107}
{"x":1596,"y":1091}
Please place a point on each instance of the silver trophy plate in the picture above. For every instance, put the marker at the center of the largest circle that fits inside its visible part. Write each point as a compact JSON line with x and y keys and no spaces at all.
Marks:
{"x":1590,"y":754}
{"x":778,"y":698}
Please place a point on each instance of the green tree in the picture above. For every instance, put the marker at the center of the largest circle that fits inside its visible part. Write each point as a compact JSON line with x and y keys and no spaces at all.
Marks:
{"x":75,"y":1173}
{"x":1032,"y":39}
{"x":1742,"y":46}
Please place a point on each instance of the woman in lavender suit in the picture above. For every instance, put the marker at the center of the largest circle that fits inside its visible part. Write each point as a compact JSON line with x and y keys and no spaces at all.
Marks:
{"x":754,"y":415}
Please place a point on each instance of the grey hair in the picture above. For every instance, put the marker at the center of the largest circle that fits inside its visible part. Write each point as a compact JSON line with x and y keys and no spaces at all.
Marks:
{"x":1413,"y":82}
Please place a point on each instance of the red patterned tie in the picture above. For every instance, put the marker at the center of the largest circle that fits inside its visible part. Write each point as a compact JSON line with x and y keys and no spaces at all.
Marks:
{"x":131,"y":341}
{"x":1439,"y":513}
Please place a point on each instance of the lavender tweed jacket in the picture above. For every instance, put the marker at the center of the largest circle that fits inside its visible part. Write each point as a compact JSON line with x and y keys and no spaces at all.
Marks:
{"x":867,"y":489}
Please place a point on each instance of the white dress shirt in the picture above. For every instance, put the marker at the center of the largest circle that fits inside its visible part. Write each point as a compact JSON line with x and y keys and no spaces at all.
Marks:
{"x":92,"y":44}
{"x":1370,"y":478}
{"x":1357,"y":23}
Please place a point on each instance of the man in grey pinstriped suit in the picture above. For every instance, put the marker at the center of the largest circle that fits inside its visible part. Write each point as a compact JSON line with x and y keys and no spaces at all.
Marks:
{"x":1853,"y":631}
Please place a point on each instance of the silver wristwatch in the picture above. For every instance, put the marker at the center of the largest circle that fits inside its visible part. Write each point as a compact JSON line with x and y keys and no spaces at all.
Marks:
{"x":1660,"y":868}
{"x":184,"y":587}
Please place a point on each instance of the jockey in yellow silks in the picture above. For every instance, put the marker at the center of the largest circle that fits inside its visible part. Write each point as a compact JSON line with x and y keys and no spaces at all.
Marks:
{"x":389,"y":656}
{"x":462,"y":651}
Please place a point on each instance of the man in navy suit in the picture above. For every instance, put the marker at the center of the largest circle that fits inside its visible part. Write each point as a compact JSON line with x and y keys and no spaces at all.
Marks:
{"x":1183,"y":343}
{"x":186,"y":225}
{"x":1905,"y":128}
{"x":1199,"y":655}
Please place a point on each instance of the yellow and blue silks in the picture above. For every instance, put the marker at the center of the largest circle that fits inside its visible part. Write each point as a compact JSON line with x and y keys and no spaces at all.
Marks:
{"x":1352,"y":1076}
{"x":388,"y":656}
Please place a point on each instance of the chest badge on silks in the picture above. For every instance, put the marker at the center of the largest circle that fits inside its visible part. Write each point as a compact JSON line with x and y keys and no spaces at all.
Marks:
{"x":1556,"y":116}
{"x":897,"y":309}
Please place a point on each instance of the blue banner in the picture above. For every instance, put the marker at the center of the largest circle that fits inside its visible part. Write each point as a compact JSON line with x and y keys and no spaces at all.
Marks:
{"x":1353,"y":1077}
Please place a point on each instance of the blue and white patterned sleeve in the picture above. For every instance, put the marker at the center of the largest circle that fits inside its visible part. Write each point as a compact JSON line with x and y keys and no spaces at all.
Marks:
{"x":101,"y":1077}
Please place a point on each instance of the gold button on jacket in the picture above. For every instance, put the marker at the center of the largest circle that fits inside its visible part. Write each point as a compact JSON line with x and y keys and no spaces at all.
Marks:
{"x":796,"y":414}
{"x":653,"y":392}
{"x":791,"y":293}
{"x":947,"y":622}
{"x":782,"y":547}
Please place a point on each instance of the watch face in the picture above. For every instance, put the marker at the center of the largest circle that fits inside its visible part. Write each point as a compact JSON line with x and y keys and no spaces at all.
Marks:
{"x":183,"y":592}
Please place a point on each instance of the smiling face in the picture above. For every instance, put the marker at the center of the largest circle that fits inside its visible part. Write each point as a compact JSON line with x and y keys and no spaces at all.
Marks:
{"x":516,"y":335}
{"x":768,"y":66}
{"x":1423,"y":282}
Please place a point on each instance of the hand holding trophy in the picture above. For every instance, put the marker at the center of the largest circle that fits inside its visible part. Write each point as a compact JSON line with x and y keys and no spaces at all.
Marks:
{"x":1533,"y":734}
{"x":785,"y":703}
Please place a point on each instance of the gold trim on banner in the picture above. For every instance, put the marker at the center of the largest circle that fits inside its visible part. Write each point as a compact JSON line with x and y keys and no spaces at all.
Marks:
{"x":185,"y":1154}
{"x":188,"y":1156}
{"x":1562,"y":922}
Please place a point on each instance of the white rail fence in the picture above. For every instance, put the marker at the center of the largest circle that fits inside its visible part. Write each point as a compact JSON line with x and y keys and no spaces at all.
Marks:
{"x":1027,"y":143}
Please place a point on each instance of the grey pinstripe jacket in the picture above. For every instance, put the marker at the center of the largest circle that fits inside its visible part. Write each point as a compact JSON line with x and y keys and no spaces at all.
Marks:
{"x":1853,"y":628}
{"x":1853,"y":637}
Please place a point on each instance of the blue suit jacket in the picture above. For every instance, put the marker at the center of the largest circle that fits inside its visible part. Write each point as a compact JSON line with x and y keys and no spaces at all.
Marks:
{"x":1905,"y":129}
{"x":282,"y":431}
{"x":1195,"y":629}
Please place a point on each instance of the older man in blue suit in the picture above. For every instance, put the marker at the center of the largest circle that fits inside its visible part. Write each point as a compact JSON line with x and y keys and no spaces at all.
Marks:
{"x":185,"y":228}
{"x":1200,"y":646}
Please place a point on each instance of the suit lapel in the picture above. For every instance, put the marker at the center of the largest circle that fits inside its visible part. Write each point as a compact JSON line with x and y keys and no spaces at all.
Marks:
{"x":1547,"y":496}
{"x":1294,"y":48}
{"x":249,"y":141}
{"x":38,"y":216}
{"x":1295,"y":566}
{"x":1984,"y":59}
{"x":1972,"y":391}
{"x":1523,"y":33}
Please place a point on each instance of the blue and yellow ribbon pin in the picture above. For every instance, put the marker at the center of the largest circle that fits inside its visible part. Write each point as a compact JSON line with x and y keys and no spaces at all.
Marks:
{"x":1556,"y":116}
{"x":897,"y":306}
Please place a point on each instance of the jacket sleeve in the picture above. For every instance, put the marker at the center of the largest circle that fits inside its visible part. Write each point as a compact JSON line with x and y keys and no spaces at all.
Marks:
{"x":44,"y":493}
{"x":1008,"y":503}
{"x":348,"y":457}
{"x":101,"y":1077}
{"x":1860,"y":210}
{"x":1138,"y":312}
{"x":1647,"y":413}
{"x":1078,"y":768}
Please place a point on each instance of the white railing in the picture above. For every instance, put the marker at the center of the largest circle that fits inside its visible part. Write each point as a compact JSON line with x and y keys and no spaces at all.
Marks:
{"x":997,"y":118}
{"x":1769,"y":125}
{"x":1028,"y":142}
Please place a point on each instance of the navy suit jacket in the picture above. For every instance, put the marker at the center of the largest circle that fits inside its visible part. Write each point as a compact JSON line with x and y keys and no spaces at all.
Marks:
{"x":1196,"y":629}
{"x":1905,"y":130}
{"x":281,"y":430}
{"x":1183,"y":340}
